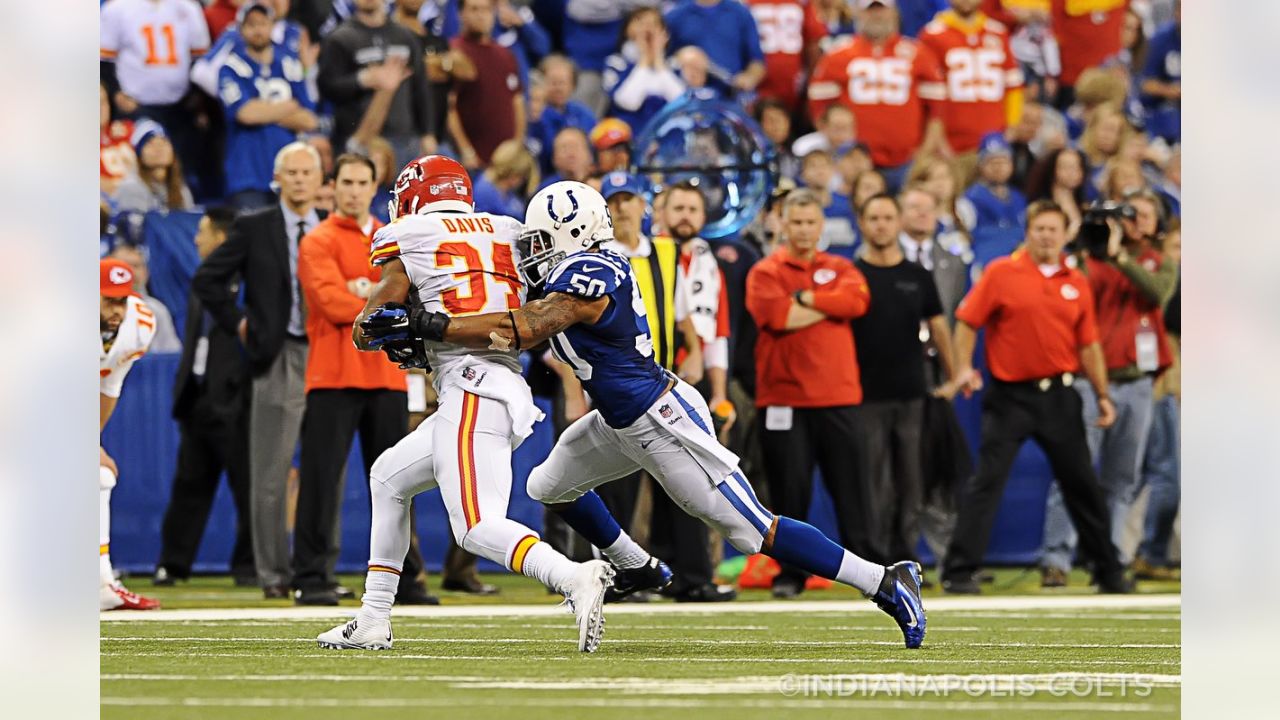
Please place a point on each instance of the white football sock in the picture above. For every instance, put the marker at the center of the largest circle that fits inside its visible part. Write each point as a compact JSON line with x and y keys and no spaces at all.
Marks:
{"x":859,"y":573}
{"x":626,"y":553}
{"x":380,"y":587}
{"x":544,"y":564}
{"x":105,"y":572}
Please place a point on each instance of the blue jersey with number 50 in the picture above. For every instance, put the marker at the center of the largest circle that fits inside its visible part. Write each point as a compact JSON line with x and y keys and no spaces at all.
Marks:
{"x":613,"y":357}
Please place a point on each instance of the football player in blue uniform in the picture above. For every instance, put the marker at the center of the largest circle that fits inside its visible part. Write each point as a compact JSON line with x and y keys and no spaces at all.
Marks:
{"x":644,"y":417}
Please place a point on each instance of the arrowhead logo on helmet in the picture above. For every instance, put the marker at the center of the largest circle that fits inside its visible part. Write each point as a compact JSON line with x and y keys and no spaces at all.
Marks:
{"x":432,"y":183}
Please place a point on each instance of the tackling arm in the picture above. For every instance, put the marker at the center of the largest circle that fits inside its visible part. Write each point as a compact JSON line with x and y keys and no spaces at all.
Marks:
{"x":527,"y":326}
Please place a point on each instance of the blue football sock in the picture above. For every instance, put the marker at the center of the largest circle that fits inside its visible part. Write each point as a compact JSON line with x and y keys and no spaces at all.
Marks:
{"x":591,"y":519}
{"x":804,"y":546}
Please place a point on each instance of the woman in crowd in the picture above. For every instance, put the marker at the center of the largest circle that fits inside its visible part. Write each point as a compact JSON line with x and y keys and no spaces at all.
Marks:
{"x":1104,"y":136}
{"x":941,"y":177}
{"x":158,"y":184}
{"x":637,"y":77}
{"x":1060,"y":177}
{"x":1121,"y":177}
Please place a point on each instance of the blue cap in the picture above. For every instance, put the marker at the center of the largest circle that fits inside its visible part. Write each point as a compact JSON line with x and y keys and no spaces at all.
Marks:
{"x":620,"y":182}
{"x":993,"y":144}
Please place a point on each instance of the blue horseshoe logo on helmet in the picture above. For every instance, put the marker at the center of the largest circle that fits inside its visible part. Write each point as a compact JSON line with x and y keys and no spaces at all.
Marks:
{"x":573,"y":211}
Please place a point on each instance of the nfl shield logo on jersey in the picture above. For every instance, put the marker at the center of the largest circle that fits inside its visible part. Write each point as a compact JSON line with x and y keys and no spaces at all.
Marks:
{"x":665,"y":411}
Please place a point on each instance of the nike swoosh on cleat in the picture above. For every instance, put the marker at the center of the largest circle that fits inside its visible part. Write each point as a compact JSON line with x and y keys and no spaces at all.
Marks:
{"x":910,"y":612}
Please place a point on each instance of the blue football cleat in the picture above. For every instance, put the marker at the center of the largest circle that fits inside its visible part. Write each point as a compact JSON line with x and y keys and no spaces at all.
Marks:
{"x":899,"y":596}
{"x":652,"y":576}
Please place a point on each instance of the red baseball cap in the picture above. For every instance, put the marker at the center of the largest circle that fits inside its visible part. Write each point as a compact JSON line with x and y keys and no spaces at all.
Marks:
{"x":115,"y":278}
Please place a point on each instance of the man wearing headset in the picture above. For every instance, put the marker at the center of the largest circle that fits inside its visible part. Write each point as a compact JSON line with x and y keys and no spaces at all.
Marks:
{"x":1130,"y":286}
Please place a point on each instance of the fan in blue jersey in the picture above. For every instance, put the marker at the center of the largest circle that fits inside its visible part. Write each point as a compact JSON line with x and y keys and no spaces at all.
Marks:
{"x":999,"y":210}
{"x":644,"y":417}
{"x":263,"y":91}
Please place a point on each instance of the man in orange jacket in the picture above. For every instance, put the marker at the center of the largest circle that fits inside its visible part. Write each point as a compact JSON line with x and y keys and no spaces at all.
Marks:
{"x":807,"y":385}
{"x":347,"y":390}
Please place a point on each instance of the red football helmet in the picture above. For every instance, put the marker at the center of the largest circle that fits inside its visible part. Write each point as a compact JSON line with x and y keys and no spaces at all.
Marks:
{"x":430,"y":184}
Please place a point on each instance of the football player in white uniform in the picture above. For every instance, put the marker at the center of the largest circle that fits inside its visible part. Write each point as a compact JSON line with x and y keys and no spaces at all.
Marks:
{"x":127,"y":328}
{"x":447,"y":260}
{"x":644,"y":417}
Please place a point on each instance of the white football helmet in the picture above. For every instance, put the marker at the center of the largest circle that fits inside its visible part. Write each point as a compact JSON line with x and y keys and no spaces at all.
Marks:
{"x":563,"y":218}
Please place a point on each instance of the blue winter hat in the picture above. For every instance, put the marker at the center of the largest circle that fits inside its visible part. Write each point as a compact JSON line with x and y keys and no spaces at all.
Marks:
{"x":143,"y":131}
{"x":993,"y":144}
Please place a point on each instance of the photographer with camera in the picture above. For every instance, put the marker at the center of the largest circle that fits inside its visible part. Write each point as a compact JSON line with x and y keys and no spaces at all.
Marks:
{"x":1131,"y":280}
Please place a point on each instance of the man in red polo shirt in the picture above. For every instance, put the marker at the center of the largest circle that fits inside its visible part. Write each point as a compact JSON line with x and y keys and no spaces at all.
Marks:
{"x":1039,"y":316}
{"x":807,"y":378}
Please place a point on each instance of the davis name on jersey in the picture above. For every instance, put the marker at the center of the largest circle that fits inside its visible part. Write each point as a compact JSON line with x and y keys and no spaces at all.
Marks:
{"x":614,"y":357}
{"x":130,"y":343}
{"x":459,"y":264}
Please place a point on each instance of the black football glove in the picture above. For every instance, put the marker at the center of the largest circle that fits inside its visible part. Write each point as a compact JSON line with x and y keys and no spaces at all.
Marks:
{"x":394,"y":322}
{"x":408,"y":354}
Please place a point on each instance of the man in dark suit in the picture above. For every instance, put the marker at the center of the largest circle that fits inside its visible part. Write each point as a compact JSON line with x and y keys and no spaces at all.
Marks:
{"x":951,"y":276}
{"x":209,"y":403}
{"x":920,"y":245}
{"x":262,"y":249}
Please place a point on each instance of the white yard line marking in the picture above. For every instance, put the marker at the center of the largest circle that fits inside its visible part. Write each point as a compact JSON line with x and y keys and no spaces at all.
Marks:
{"x":944,"y":604}
{"x":852,"y":683}
{"x":1172,"y":615}
{"x":418,"y":624}
{"x":827,"y":663}
{"x":447,"y":624}
{"x":611,"y":703}
{"x":684,"y":641}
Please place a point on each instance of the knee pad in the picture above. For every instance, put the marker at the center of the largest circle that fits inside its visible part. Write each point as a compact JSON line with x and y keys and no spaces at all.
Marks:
{"x":538,"y":486}
{"x":542,"y":487}
{"x":106,"y":478}
{"x":745,"y":539}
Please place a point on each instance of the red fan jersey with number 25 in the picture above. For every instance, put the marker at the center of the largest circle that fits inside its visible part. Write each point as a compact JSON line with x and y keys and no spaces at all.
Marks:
{"x":888,"y":87}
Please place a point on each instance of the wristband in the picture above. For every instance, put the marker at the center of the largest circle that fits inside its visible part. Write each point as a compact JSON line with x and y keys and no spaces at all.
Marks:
{"x":429,"y":326}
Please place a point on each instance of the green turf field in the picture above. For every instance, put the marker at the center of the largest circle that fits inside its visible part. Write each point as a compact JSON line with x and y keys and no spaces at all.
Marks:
{"x":1012,"y":653}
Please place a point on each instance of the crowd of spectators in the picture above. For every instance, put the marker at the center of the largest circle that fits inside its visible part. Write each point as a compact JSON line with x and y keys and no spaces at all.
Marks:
{"x":916,"y":133}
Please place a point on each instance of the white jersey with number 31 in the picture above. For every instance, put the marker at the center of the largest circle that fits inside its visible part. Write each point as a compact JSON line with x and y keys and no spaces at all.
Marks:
{"x":459,"y":264}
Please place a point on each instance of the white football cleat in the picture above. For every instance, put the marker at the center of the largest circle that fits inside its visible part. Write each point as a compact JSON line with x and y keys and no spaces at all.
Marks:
{"x":584,"y":593}
{"x":359,"y":634}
